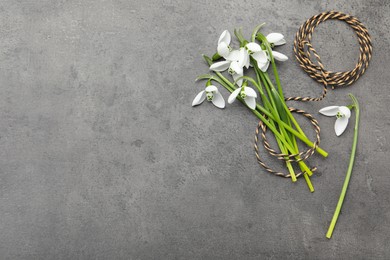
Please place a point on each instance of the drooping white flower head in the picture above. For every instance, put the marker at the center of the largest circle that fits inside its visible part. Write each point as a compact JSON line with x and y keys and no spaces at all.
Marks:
{"x":262,"y":60}
{"x":246,"y":93}
{"x":342,"y":113}
{"x":261,"y":56}
{"x":276,"y":39}
{"x":234,"y":63}
{"x":223,"y":48}
{"x":212,"y":94}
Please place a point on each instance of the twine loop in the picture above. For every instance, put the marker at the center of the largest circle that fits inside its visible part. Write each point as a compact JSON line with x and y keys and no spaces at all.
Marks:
{"x":310,"y":61}
{"x":286,"y":157}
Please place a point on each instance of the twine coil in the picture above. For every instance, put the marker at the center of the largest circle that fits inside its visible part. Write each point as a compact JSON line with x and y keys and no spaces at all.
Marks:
{"x":311,"y":63}
{"x":285,"y":157}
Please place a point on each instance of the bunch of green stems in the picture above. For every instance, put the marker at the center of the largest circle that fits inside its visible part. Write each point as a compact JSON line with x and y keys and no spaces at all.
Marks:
{"x":273,"y":111}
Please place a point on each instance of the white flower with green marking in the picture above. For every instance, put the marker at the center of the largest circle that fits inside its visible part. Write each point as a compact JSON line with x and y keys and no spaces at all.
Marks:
{"x":261,"y":56}
{"x":212,"y":94}
{"x":247,"y":94}
{"x":224,"y":48}
{"x":342,"y":113}
{"x":234,"y":63}
{"x":275,"y":39}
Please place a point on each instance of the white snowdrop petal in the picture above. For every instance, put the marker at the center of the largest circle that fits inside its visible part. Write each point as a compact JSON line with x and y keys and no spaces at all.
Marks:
{"x":225,"y":37}
{"x":264,"y":66}
{"x":345,"y":111}
{"x":260,"y":57}
{"x":199,"y":98}
{"x":234,"y":95}
{"x":247,"y":62}
{"x":243,"y":58}
{"x":279,"y":56}
{"x":223,"y":50}
{"x":218,"y":100}
{"x":274,"y":37}
{"x":251,"y":102}
{"x":220,"y":66}
{"x":281,"y":42}
{"x":236,"y":78}
{"x":340,"y":125}
{"x":233,"y":55}
{"x":250,"y":92}
{"x":211,"y":88}
{"x":236,"y":67}
{"x":253,"y":47}
{"x":329,"y":111}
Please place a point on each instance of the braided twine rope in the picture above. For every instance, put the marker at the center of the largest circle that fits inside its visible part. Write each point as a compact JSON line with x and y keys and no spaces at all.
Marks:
{"x":311,"y":63}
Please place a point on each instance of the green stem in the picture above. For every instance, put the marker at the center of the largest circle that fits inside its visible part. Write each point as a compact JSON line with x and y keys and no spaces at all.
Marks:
{"x":265,"y":42}
{"x":287,"y":118}
{"x":229,"y":86}
{"x":284,"y":150}
{"x":280,"y":144}
{"x":286,"y":144}
{"x":309,"y":184}
{"x":349,"y":171}
{"x":292,"y":118}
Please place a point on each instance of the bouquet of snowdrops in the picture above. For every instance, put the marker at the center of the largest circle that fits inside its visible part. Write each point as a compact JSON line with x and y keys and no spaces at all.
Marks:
{"x":257,"y":55}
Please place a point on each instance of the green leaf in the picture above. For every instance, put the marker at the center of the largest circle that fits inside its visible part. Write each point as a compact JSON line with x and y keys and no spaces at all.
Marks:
{"x":279,"y":105}
{"x":254,"y":33}
{"x":207,"y":59}
{"x":204,"y":76}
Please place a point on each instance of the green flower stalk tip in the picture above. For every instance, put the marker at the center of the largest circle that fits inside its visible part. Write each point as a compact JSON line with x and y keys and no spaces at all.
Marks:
{"x":355,"y":105}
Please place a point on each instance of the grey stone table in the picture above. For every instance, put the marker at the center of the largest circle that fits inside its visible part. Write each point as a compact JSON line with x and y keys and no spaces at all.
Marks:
{"x":103,"y":157}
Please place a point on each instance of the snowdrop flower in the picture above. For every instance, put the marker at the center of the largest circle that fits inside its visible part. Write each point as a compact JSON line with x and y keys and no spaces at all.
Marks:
{"x":234,"y":63}
{"x":276,"y":39}
{"x":224,"y":48}
{"x":212,"y":94}
{"x":262,"y":60}
{"x":252,"y":49}
{"x":246,"y":93}
{"x":342,"y":113}
{"x":261,"y":56}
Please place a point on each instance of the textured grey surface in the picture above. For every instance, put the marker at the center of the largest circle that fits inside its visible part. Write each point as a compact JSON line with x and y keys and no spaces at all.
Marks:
{"x":103,"y":157}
